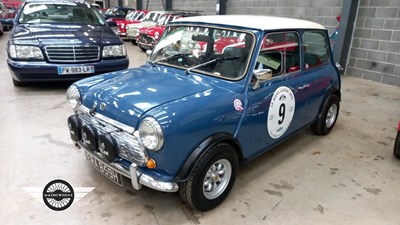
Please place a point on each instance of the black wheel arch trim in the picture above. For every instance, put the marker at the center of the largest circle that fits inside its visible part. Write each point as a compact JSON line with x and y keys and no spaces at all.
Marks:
{"x":184,"y":172}
{"x":332,"y":91}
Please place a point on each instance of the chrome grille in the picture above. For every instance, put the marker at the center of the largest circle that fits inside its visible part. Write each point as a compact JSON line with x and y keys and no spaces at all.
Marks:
{"x":146,"y":39}
{"x":128,"y":144}
{"x":73,"y":53}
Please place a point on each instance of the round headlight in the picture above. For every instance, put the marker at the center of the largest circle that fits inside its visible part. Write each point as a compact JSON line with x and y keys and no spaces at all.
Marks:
{"x":151,"y":134}
{"x":73,"y":97}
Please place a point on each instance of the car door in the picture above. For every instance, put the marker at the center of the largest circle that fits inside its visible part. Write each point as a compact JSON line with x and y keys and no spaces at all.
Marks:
{"x":278,"y":107}
{"x":318,"y":71}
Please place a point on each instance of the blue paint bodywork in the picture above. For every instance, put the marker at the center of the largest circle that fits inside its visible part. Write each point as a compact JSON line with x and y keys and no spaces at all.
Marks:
{"x":193,"y":107}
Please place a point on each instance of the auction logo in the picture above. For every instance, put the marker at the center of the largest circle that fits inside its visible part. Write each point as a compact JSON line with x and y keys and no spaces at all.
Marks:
{"x":58,"y":195}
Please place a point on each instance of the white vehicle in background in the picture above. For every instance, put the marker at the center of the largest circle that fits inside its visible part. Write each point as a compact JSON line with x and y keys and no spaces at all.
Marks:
{"x":150,"y":20}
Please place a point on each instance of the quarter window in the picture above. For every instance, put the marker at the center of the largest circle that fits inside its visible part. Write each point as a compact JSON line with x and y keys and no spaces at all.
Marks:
{"x":316,"y":49}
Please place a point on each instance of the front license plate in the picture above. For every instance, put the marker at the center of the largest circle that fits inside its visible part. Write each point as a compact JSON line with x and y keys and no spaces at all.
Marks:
{"x":105,"y":169}
{"x":66,"y":70}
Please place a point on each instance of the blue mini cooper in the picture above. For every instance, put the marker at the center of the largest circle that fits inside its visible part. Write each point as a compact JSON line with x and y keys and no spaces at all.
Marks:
{"x":216,"y":92}
{"x":62,"y":40}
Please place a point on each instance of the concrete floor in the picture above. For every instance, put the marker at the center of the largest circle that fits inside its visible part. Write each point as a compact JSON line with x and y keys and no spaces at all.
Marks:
{"x":347,"y":177}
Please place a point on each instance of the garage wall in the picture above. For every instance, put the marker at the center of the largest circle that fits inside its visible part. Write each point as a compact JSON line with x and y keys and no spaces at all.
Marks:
{"x":320,"y":11}
{"x":153,"y":4}
{"x":208,"y":6}
{"x":375,"y":50}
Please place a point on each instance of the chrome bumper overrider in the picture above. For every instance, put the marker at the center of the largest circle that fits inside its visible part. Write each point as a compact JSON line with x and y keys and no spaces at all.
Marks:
{"x":137,"y":178}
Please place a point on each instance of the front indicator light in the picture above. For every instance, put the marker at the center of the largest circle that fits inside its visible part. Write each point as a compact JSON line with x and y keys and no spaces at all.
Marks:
{"x":151,"y":164}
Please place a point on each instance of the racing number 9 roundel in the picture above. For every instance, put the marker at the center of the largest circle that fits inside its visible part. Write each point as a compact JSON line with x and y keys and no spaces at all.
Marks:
{"x":281,"y":111}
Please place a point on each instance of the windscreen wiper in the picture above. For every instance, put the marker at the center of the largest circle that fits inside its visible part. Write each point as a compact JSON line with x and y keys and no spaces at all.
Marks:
{"x":211,"y":62}
{"x":178,"y":55}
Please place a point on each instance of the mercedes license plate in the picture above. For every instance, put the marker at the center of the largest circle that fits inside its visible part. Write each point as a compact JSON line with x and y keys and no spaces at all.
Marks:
{"x":66,"y":70}
{"x":105,"y":169}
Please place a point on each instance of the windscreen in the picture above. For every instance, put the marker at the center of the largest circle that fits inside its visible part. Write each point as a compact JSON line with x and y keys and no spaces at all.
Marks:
{"x":212,"y":51}
{"x":38,"y":13}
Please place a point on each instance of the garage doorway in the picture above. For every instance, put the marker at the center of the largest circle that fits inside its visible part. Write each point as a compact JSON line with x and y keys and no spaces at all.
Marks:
{"x":100,"y":3}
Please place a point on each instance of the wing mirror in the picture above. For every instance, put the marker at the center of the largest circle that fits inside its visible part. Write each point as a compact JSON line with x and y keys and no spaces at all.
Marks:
{"x":261,"y":75}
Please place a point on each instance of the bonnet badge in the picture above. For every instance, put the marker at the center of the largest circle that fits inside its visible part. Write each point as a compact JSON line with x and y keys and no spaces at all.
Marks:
{"x":102,"y":106}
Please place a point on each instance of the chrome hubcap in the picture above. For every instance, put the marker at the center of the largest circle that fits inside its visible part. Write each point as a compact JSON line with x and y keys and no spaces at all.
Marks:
{"x":331,"y":116}
{"x":217,"y":179}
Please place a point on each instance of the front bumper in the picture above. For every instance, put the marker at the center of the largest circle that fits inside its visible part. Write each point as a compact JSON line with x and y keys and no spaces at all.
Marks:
{"x":145,"y":41}
{"x":137,"y":177}
{"x":44,"y":71}
{"x":7,"y":22}
{"x":120,"y":33}
{"x":89,"y":130}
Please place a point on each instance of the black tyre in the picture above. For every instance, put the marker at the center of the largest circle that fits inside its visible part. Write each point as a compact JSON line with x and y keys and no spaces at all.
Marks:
{"x":212,"y":178}
{"x":133,"y":41}
{"x":328,"y":116}
{"x":396,"y":150}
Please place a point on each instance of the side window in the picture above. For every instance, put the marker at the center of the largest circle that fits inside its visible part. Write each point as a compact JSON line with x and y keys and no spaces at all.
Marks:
{"x":120,"y":12}
{"x":280,"y":53}
{"x":316,"y":49}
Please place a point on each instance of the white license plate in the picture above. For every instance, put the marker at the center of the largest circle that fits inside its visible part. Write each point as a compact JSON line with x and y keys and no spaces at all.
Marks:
{"x":104,"y":169}
{"x":65,"y":70}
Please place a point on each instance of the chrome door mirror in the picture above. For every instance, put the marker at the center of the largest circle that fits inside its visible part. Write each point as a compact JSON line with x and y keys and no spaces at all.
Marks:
{"x":261,"y":75}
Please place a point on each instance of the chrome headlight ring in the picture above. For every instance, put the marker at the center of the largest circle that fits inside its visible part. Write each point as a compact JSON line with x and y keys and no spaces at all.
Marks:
{"x":73,"y":97}
{"x":151,"y":134}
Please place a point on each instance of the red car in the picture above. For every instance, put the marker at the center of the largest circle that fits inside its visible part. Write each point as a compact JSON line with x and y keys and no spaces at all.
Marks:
{"x":148,"y":36}
{"x":8,"y":10}
{"x":396,"y":149}
{"x":16,"y":4}
{"x":129,"y":19}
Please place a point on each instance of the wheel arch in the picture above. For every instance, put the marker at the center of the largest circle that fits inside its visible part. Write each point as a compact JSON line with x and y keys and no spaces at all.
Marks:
{"x":184,"y":172}
{"x":332,"y":91}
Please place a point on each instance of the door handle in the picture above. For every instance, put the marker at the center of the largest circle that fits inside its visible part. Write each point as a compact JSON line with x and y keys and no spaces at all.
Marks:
{"x":303,"y":87}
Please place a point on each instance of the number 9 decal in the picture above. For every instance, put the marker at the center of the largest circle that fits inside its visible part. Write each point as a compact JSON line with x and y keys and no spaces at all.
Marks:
{"x":281,"y":111}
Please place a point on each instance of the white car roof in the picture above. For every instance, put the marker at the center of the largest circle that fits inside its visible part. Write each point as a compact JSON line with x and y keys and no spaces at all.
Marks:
{"x":255,"y":22}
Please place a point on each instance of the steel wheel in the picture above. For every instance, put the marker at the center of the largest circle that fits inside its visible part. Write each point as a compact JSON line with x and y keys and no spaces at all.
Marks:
{"x":217,"y":179}
{"x":331,"y":116}
{"x":326,"y":120}
{"x":212,"y":178}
